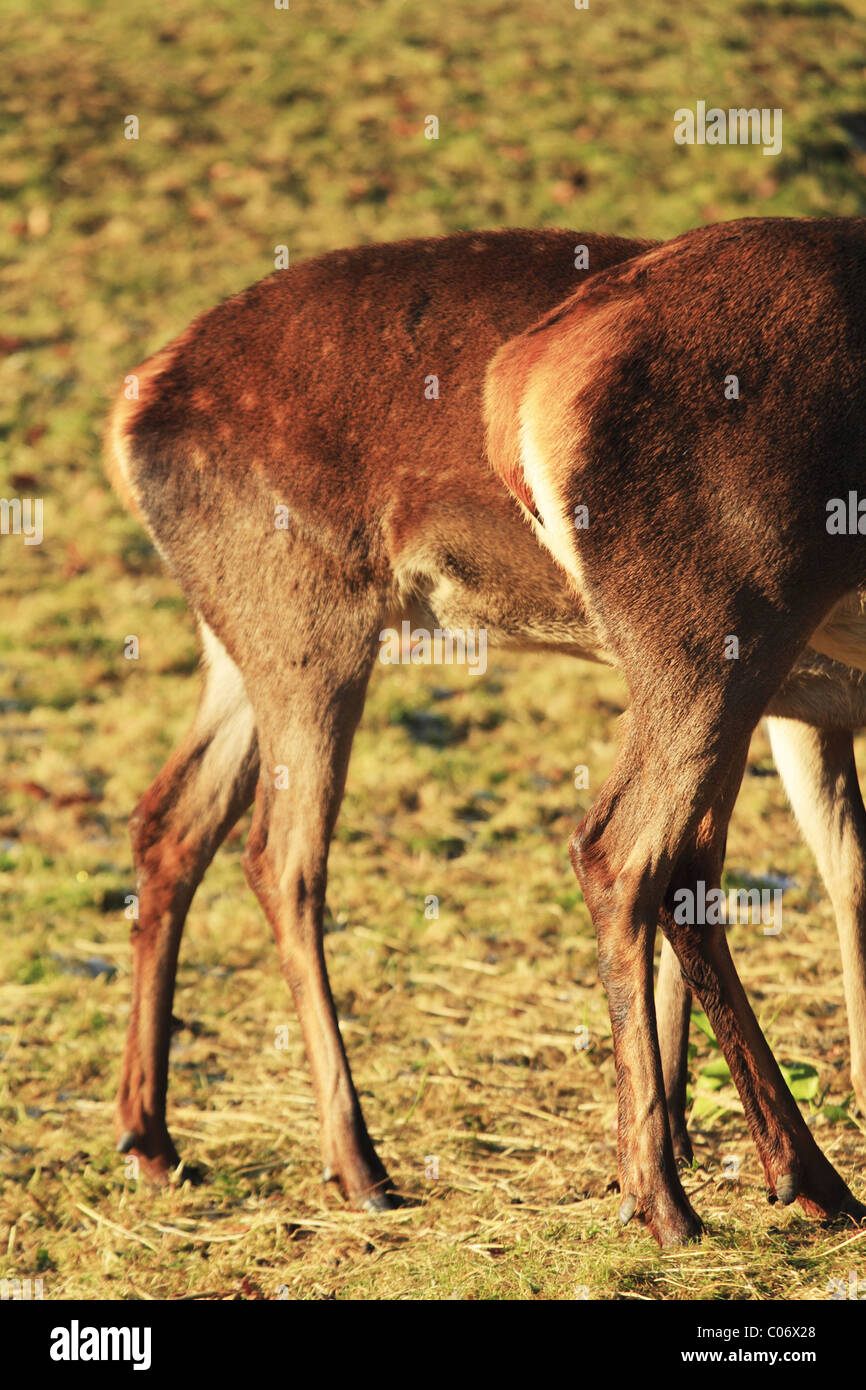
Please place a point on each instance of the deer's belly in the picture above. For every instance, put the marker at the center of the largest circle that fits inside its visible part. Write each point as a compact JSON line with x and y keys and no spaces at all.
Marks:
{"x":511,"y":620}
{"x":842,"y":635}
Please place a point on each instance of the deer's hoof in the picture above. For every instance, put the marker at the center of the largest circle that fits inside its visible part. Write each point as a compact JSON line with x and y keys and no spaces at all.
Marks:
{"x":684,"y":1154}
{"x":368,"y":1192}
{"x":191,"y":1173}
{"x":854,"y":1209}
{"x":668,"y":1216}
{"x":158,"y":1160}
{"x":787,"y":1188}
{"x":671,"y":1235}
{"x":627,"y":1209}
{"x":387,"y":1200}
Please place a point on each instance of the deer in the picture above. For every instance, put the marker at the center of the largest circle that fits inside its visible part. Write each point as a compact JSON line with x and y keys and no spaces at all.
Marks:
{"x":709,"y":516}
{"x":307,"y":392}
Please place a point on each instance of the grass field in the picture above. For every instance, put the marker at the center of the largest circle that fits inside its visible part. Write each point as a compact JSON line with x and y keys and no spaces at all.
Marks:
{"x":261,"y":127}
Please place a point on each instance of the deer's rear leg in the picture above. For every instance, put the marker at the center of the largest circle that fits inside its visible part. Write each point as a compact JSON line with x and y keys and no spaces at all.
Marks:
{"x":674,"y":1007}
{"x":794,"y":1166}
{"x":176,"y":829}
{"x":632,"y":853}
{"x":793,"y":1163}
{"x":819,"y":774}
{"x":306,"y":732}
{"x":622,"y":855}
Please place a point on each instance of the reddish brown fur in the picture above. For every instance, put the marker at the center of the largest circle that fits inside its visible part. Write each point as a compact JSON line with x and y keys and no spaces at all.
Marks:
{"x":308,"y":390}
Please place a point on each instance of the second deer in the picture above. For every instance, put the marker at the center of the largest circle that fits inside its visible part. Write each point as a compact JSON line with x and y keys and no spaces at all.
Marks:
{"x":710,"y":516}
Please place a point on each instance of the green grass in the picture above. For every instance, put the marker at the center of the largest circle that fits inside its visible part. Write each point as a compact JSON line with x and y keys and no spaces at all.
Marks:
{"x":260,"y":128}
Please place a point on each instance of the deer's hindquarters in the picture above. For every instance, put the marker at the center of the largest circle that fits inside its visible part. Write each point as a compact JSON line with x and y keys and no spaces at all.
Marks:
{"x":680,"y":425}
{"x":537,"y":429}
{"x":139,"y":390}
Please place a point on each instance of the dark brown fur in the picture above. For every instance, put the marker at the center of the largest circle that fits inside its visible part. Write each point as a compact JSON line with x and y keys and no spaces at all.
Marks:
{"x":707,"y":519}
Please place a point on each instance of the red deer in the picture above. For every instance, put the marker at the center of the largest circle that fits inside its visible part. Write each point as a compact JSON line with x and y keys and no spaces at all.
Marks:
{"x":710,"y":515}
{"x":307,"y":392}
